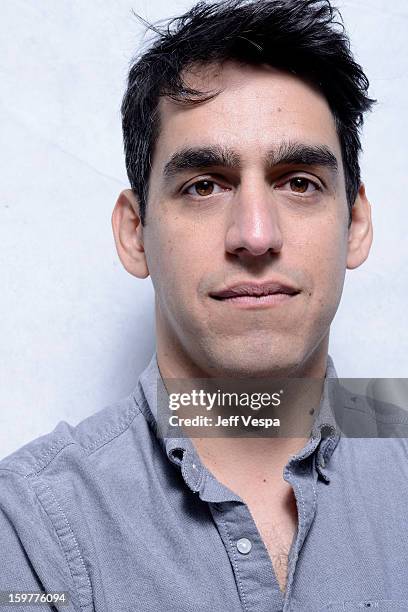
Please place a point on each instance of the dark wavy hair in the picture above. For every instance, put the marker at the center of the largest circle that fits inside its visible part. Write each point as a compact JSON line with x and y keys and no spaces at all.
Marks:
{"x":304,"y":37}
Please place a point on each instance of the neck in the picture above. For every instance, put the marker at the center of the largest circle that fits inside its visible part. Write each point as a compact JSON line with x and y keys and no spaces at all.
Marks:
{"x":268,"y":454}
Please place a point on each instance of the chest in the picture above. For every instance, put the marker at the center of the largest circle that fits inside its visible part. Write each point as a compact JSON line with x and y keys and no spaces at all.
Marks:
{"x":276,"y":521}
{"x":187,"y":559}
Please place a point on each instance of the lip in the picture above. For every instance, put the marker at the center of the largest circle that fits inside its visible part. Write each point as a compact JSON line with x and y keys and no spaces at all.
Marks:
{"x":248,"y":294}
{"x":250,"y":288}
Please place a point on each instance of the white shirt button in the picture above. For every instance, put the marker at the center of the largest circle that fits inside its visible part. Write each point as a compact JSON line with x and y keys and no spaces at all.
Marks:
{"x":244,"y":546}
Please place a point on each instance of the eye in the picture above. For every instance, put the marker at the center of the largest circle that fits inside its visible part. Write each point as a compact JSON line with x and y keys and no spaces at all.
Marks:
{"x":301,"y":185}
{"x":203,"y":188}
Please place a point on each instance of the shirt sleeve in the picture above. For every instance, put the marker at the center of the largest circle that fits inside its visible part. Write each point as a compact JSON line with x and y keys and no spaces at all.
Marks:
{"x":17,"y":573}
{"x":31,"y":560}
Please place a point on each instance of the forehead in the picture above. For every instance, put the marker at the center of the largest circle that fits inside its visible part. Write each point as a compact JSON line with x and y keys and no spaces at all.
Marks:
{"x":256,"y":107}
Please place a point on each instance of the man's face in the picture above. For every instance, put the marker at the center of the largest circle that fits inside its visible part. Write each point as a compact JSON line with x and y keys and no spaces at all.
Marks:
{"x":250,"y":217}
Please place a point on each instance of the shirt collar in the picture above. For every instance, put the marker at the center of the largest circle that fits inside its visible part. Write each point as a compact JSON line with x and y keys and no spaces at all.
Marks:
{"x":180,"y":451}
{"x":325,"y":430}
{"x":148,"y":392}
{"x":325,"y":433}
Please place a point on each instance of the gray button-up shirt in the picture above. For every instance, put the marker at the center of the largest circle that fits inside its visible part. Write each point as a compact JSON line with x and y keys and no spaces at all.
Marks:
{"x":126,"y":521}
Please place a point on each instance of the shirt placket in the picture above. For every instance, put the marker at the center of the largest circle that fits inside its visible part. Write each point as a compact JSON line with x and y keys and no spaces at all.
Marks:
{"x":254,"y":575}
{"x":301,"y":475}
{"x":302,"y":472}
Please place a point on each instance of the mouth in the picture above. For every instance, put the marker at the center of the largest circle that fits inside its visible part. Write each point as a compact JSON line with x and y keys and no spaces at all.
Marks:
{"x":255,"y":295}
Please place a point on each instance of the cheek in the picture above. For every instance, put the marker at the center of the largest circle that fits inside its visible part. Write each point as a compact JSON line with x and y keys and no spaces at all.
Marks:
{"x":175,"y":263}
{"x":328,"y":266}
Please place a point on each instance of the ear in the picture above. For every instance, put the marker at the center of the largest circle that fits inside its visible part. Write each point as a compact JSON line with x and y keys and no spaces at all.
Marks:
{"x":360,"y":233}
{"x":128,"y":234}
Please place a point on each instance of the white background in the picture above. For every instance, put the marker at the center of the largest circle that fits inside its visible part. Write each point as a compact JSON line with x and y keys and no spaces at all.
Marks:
{"x":76,"y":328}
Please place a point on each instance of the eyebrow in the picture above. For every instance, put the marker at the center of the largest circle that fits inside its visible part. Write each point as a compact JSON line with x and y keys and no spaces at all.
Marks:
{"x":200,"y":157}
{"x":297,"y":153}
{"x":287,"y":153}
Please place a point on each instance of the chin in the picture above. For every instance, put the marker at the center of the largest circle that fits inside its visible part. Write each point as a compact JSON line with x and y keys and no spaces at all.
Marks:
{"x":257,"y":364}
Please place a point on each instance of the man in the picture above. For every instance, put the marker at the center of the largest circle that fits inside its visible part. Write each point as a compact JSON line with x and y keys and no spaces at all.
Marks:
{"x":241,"y":129}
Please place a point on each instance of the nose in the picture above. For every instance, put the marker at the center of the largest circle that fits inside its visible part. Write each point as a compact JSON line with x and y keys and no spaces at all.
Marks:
{"x":254,"y":222}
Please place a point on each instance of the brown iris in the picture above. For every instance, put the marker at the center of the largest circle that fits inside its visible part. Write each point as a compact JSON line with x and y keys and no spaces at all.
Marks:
{"x":204,"y":188}
{"x":299,"y":184}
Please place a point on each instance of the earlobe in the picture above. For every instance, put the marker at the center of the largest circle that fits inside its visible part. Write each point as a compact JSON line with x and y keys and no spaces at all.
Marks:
{"x":360,"y":233}
{"x":128,"y":234}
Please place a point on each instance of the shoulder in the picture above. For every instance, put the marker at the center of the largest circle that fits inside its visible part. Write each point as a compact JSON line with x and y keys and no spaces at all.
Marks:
{"x":376,"y":408}
{"x":41,"y":485}
{"x":41,"y":476}
{"x":86,"y":437}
